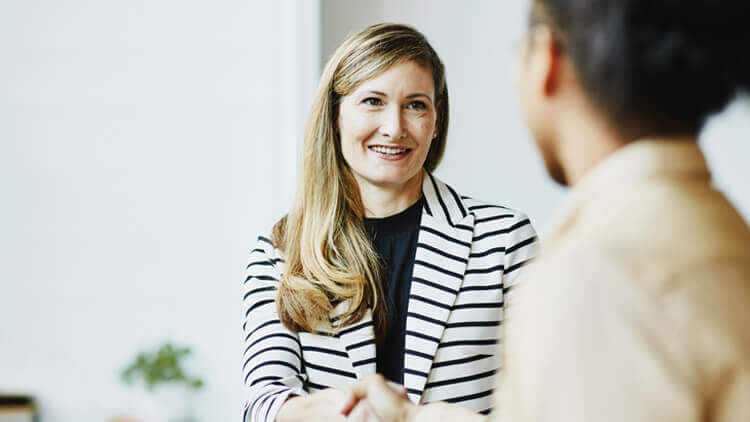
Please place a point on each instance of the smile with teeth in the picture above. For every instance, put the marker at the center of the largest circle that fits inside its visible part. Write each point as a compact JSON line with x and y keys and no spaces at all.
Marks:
{"x":389,"y":150}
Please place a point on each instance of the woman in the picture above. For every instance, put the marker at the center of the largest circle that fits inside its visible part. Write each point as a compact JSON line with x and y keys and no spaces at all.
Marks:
{"x":379,"y":266}
{"x":637,"y":309}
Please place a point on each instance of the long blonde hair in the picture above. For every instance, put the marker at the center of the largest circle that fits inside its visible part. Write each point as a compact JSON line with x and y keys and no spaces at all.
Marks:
{"x":329,"y":258}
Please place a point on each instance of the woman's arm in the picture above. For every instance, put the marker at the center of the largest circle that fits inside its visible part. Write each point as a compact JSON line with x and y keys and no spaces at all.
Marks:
{"x":324,"y":406}
{"x":272,"y":362}
{"x":522,"y":246}
{"x":272,"y":359}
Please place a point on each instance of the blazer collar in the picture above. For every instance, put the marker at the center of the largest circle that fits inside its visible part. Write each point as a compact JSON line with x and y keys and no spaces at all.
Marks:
{"x":442,"y":202}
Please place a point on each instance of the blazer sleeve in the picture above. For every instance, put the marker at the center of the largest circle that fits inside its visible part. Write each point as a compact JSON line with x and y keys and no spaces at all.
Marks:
{"x":272,"y":360}
{"x":521,"y":247}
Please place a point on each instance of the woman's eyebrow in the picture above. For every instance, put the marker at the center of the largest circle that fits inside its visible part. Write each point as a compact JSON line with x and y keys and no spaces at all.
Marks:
{"x":419,"y":94}
{"x":409,"y":97}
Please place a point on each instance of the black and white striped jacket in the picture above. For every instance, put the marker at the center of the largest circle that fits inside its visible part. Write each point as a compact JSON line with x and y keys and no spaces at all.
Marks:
{"x":467,"y":258}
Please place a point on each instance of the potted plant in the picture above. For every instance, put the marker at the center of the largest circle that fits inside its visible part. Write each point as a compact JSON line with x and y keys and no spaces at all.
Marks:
{"x":165,"y":381}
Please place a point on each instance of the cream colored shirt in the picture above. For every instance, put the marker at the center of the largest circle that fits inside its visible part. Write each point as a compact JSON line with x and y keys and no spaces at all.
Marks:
{"x":638,"y":308}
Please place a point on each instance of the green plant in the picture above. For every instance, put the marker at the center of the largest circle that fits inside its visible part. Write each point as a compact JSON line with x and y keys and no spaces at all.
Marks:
{"x":161,"y":367}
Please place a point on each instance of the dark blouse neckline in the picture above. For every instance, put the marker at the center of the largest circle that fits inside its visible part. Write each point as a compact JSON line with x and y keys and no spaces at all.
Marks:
{"x":405,"y":221}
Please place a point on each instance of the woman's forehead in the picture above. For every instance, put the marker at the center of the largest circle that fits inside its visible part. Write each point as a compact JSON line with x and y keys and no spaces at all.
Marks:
{"x":402,"y":78}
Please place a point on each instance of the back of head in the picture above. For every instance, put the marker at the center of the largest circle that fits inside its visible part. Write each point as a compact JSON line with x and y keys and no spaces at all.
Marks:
{"x":654,"y":67}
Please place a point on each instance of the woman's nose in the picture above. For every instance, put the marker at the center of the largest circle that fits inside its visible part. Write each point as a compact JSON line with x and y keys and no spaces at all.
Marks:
{"x":392,"y":124}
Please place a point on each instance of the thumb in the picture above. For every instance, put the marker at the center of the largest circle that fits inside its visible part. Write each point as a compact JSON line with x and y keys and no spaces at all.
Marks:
{"x":350,"y":400}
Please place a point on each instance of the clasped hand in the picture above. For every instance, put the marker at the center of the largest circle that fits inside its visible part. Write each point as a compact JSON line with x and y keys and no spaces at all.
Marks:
{"x":371,"y":399}
{"x":375,"y":399}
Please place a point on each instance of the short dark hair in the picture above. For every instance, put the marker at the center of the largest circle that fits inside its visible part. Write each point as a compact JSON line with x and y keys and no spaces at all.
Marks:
{"x":654,"y":67}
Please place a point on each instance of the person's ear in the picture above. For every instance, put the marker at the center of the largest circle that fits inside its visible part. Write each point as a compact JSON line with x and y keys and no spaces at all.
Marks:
{"x":545,"y":60}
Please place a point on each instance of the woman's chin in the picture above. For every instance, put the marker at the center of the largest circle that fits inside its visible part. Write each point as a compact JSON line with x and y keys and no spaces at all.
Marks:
{"x":390,"y":180}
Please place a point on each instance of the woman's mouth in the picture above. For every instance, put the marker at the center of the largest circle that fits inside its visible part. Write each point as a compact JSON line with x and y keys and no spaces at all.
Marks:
{"x":389,"y":151}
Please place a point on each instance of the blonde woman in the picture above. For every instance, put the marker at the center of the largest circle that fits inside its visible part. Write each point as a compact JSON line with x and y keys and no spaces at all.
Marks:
{"x":378,"y":266}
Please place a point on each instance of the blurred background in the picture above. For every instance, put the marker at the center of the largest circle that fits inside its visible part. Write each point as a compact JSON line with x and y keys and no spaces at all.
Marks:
{"x":145,"y":144}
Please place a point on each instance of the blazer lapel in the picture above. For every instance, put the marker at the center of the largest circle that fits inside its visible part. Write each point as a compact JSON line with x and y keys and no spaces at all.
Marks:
{"x":443,"y":247}
{"x":359,"y":342}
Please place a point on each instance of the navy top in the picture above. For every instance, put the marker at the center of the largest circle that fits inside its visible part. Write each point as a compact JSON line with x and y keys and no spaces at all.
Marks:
{"x":395,"y":240}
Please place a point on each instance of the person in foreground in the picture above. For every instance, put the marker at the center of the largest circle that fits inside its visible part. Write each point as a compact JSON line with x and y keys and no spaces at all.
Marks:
{"x":379,"y":266}
{"x":637,"y":308}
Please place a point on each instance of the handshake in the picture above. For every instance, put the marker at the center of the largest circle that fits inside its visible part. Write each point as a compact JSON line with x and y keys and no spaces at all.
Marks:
{"x":372,"y":399}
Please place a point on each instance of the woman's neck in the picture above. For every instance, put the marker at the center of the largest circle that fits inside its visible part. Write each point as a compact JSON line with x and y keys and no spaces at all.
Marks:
{"x":382,"y":201}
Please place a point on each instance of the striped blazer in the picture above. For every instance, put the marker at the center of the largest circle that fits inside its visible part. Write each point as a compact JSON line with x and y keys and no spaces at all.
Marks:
{"x":467,"y":258}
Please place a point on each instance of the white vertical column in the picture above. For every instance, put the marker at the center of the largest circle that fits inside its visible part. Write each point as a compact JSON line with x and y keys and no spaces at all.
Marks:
{"x":297,"y":69}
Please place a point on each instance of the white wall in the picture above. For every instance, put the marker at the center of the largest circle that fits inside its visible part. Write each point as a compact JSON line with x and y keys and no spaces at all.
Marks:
{"x":726,"y":143}
{"x":489,"y":152}
{"x":143,"y":146}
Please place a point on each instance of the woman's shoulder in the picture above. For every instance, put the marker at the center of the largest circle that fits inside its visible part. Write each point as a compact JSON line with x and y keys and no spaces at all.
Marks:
{"x":264,"y":245}
{"x":501,"y":225}
{"x":484,"y":212}
{"x":265,"y":261}
{"x":488,"y":212}
{"x":504,"y":227}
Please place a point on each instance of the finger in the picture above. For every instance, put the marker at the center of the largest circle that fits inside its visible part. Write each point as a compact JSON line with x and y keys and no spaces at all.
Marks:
{"x":361,"y":387}
{"x":398,"y":389}
{"x":358,"y":389}
{"x":364,"y":412}
{"x":386,"y":403}
{"x":382,"y":397}
{"x":360,"y":413}
{"x":371,"y":413}
{"x":349,"y":402}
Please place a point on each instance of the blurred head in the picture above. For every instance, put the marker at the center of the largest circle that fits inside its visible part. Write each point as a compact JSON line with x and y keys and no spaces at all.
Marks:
{"x":380,"y":115}
{"x":647,"y":68}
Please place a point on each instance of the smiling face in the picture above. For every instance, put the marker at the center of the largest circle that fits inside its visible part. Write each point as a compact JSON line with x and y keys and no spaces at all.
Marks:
{"x":386,"y":126}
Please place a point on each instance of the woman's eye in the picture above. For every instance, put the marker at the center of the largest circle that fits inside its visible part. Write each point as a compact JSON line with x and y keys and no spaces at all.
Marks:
{"x":417,"y":105}
{"x":372,"y":101}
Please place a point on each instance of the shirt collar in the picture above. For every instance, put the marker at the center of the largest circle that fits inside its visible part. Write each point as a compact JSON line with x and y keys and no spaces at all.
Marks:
{"x":636,"y":163}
